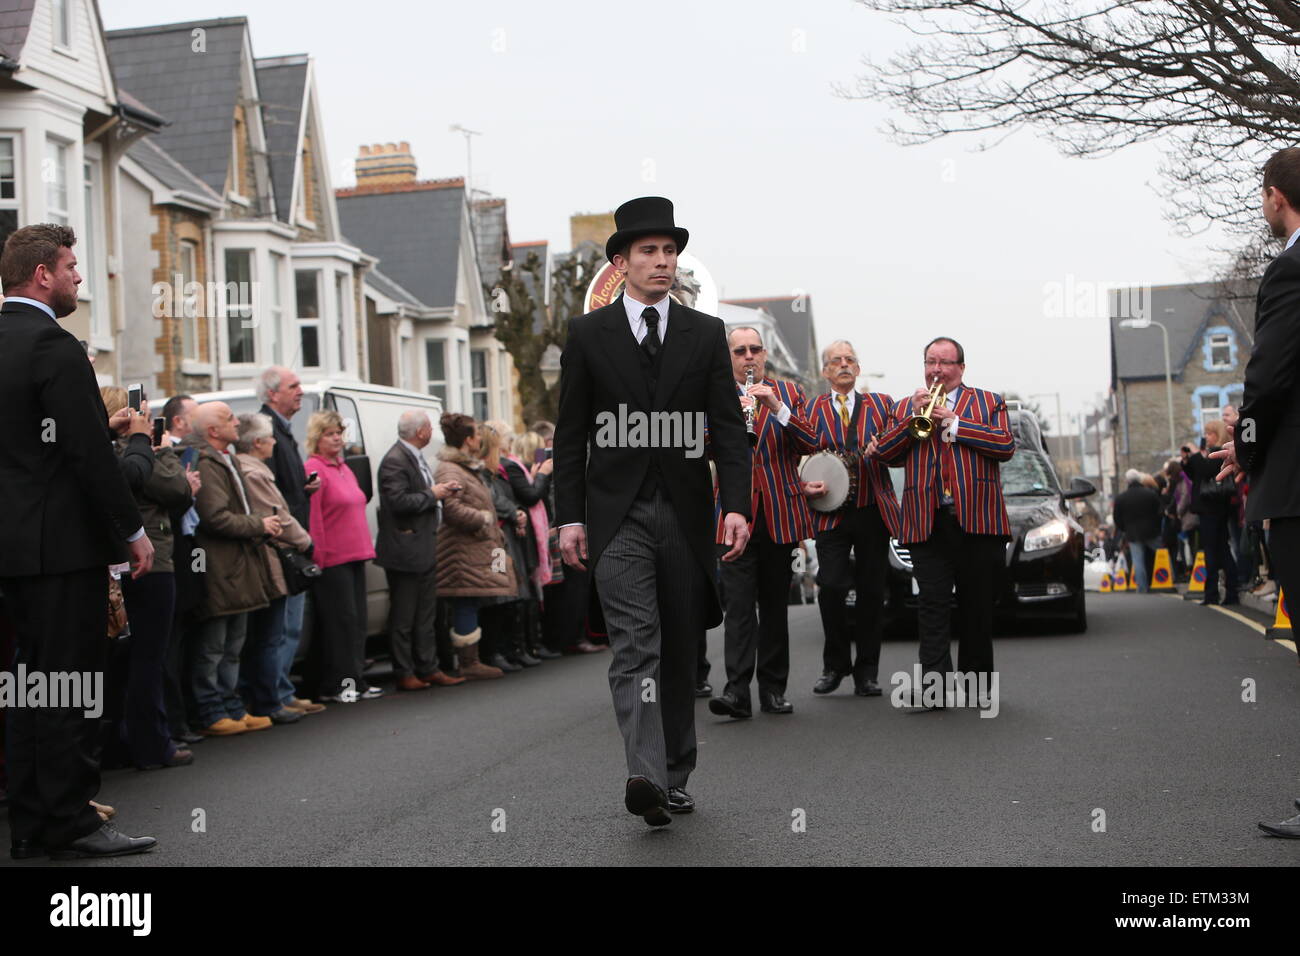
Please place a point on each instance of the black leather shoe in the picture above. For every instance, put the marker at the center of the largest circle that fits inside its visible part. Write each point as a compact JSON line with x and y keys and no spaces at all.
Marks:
{"x":525,"y":659}
{"x":499,"y":661}
{"x":868,"y":688}
{"x":647,"y":801}
{"x":545,"y":653}
{"x":828,"y":682}
{"x":704,"y":689}
{"x":729,"y":705}
{"x":105,"y":841}
{"x":25,"y":850}
{"x":188,"y":739}
{"x":679,"y":801}
{"x":774,"y":703}
{"x":1290,"y":829}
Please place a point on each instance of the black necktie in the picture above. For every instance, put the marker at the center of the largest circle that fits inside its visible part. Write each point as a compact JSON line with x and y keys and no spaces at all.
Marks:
{"x":651,"y":342}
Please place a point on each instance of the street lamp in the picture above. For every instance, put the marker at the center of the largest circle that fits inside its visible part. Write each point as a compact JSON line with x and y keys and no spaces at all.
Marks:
{"x":1169,"y":387}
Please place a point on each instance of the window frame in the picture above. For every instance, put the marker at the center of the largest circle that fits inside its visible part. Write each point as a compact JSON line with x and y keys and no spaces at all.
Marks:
{"x":247,"y":309}
{"x":59,"y":164}
{"x":430,"y":383}
{"x":301,"y":322}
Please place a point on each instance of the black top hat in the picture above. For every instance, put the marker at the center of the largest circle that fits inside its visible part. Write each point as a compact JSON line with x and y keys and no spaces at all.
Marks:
{"x":647,"y":216}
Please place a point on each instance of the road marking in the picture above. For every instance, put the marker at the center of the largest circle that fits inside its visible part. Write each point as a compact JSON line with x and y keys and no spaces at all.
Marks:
{"x":1288,"y":644}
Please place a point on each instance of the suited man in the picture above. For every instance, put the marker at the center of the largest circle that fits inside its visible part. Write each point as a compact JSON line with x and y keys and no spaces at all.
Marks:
{"x":1265,"y":445}
{"x":846,"y":420}
{"x":779,"y":520}
{"x":639,"y":515}
{"x":954,"y":520}
{"x":410,"y":509}
{"x":70,"y":515}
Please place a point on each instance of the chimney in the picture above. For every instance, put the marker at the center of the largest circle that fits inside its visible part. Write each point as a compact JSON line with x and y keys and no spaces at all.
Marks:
{"x":385,"y":164}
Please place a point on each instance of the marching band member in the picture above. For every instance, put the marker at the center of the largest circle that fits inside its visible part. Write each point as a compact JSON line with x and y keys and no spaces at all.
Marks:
{"x":761,"y":575}
{"x":954,"y":517}
{"x":845,"y":420}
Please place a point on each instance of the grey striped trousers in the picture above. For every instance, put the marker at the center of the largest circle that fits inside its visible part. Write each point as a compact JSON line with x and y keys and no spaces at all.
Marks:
{"x":653,"y":593}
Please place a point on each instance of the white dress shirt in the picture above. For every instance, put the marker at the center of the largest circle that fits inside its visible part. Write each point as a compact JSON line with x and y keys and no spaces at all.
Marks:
{"x":425,"y":473}
{"x":634,"y":310}
{"x":782,"y":412}
{"x":40,"y":305}
{"x":1289,"y":243}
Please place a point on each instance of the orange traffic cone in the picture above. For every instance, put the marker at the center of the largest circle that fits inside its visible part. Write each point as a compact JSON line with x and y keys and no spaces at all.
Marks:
{"x":1196,"y":584}
{"x":1162,"y":575}
{"x":1281,"y":621}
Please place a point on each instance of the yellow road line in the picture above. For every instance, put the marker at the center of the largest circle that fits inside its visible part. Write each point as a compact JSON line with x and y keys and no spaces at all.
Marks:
{"x":1254,"y":625}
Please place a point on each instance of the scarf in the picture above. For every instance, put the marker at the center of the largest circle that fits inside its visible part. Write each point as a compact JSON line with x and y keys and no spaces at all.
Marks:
{"x":541,"y":531}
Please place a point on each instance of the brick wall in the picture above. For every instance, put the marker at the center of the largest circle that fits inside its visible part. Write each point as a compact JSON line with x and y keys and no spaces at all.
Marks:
{"x":174,"y":226}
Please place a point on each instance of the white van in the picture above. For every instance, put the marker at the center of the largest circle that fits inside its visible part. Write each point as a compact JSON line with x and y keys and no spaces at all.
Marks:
{"x":370,"y":414}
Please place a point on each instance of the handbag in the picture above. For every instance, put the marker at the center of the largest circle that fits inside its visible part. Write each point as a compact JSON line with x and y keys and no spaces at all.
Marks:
{"x":117,"y":623}
{"x":300,"y":571}
{"x":1212,"y":489}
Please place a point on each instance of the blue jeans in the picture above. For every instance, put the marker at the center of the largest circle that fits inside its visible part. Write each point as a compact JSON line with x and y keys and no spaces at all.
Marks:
{"x":262,"y":656}
{"x":294,"y":607}
{"x":464,"y":614}
{"x":1137,"y":552}
{"x":216,"y":668}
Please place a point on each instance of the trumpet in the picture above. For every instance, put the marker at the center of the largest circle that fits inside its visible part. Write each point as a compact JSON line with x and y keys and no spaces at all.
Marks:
{"x":751,"y":410}
{"x":922,"y":426}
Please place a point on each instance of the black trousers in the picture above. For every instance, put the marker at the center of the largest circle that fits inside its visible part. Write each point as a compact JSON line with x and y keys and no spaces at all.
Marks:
{"x":1284,"y":559}
{"x":341,"y":625}
{"x":972,"y":562}
{"x":412,"y":616}
{"x":51,"y":756}
{"x":863,"y":531}
{"x":143,"y":729}
{"x":758,"y":578}
{"x":1218,"y":556}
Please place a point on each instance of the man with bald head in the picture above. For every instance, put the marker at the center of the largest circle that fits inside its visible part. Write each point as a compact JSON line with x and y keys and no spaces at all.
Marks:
{"x":410,"y":506}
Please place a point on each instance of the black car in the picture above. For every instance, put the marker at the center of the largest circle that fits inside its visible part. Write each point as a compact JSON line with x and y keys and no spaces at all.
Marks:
{"x":1043,"y":573}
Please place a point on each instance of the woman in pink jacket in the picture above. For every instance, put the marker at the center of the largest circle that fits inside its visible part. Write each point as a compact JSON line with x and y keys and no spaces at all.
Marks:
{"x":342,"y":547}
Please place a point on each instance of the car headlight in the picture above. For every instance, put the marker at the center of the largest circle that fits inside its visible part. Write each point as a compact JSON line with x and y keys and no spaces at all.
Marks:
{"x":1050,"y":535}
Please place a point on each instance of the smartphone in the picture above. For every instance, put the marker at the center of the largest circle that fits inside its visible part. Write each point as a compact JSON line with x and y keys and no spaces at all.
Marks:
{"x":159,"y":426}
{"x":539,"y":456}
{"x":311,"y":477}
{"x":135,"y":396}
{"x":548,"y":453}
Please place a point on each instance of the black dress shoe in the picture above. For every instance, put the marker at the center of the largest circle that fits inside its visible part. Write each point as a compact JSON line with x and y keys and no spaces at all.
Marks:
{"x":105,"y":841}
{"x":26,"y":849}
{"x":545,"y":653}
{"x":679,"y":801}
{"x":774,"y":703}
{"x":524,"y":659}
{"x":1290,"y":829}
{"x":868,"y":688}
{"x":729,"y":705}
{"x":644,"y":799}
{"x":828,"y":682}
{"x":188,"y":739}
{"x":704,"y":689}
{"x":499,"y":661}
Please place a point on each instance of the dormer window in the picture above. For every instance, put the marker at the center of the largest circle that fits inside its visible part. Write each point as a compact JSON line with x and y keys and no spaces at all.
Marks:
{"x":1220,"y":349}
{"x":62,"y":16}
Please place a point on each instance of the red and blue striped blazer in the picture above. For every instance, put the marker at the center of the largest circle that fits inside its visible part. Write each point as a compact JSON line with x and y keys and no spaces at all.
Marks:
{"x":775,"y":482}
{"x":826,"y":432}
{"x":982,"y":441}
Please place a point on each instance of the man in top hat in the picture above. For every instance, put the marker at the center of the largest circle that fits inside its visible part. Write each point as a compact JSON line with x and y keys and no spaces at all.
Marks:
{"x":639,"y":380}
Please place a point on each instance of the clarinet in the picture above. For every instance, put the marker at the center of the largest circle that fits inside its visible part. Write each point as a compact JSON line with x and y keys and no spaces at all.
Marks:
{"x":751,"y":410}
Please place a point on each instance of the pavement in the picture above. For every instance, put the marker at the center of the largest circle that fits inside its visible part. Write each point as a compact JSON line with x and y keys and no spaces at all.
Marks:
{"x":1131,"y":744}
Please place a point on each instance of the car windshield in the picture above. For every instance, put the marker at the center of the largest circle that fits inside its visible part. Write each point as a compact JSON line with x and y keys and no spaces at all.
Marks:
{"x":297,"y":424}
{"x":1028,"y":473}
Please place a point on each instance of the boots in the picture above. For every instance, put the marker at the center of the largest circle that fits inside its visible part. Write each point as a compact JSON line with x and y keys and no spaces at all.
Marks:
{"x":495,"y":641}
{"x":517,"y":638}
{"x":470,"y":666}
{"x":533,"y":631}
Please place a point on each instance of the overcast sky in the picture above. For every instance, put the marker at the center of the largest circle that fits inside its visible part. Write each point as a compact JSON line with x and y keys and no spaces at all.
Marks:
{"x":728,"y":109}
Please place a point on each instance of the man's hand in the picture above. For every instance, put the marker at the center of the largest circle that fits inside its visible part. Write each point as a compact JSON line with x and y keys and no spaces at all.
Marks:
{"x":138,"y":424}
{"x":941,"y":415}
{"x":812,"y":489}
{"x":872,"y":448}
{"x":141,"y":556}
{"x":271,"y":525}
{"x":441,"y":490}
{"x":735,"y":532}
{"x":765,"y":395}
{"x":1228,"y":453}
{"x":920,"y":399}
{"x":312,"y":486}
{"x":573,"y":546}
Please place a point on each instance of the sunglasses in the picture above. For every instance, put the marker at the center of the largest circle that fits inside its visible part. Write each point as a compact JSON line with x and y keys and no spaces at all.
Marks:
{"x":741,"y":350}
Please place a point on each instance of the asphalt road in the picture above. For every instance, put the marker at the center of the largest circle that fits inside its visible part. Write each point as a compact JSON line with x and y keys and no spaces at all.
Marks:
{"x":1142,"y":717}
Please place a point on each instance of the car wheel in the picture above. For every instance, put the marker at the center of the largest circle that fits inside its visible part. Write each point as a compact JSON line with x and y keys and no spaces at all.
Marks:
{"x":1079,"y":622}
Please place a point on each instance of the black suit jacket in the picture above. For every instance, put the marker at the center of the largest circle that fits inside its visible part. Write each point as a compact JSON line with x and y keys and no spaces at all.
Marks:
{"x":1272,"y":395}
{"x":408,"y":515}
{"x":286,"y":464}
{"x":596,"y":482}
{"x":68,"y":507}
{"x":1137,"y":513}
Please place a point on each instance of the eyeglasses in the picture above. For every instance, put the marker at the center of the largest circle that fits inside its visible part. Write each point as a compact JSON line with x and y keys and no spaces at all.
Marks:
{"x":843,"y":360}
{"x":740,"y":350}
{"x":936,"y":363}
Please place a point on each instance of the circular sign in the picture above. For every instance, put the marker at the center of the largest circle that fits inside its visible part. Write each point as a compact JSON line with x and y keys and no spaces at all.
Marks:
{"x":1199,"y":575}
{"x":1162,"y":575}
{"x":694,"y":286}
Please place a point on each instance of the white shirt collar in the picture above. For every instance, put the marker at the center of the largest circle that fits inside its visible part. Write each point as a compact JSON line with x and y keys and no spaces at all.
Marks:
{"x":634,"y":310}
{"x":1289,"y":243}
{"x":850,"y":404}
{"x":411,"y":448}
{"x":50,"y":312}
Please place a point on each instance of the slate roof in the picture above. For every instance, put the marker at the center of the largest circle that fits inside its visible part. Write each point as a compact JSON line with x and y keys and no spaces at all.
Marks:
{"x":492,"y":237}
{"x":282,"y":88}
{"x":414,"y":229}
{"x":796,"y":327}
{"x":15,"y":20}
{"x":196,"y":91}
{"x":172,"y":174}
{"x":391,"y":289}
{"x":1186,"y":311}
